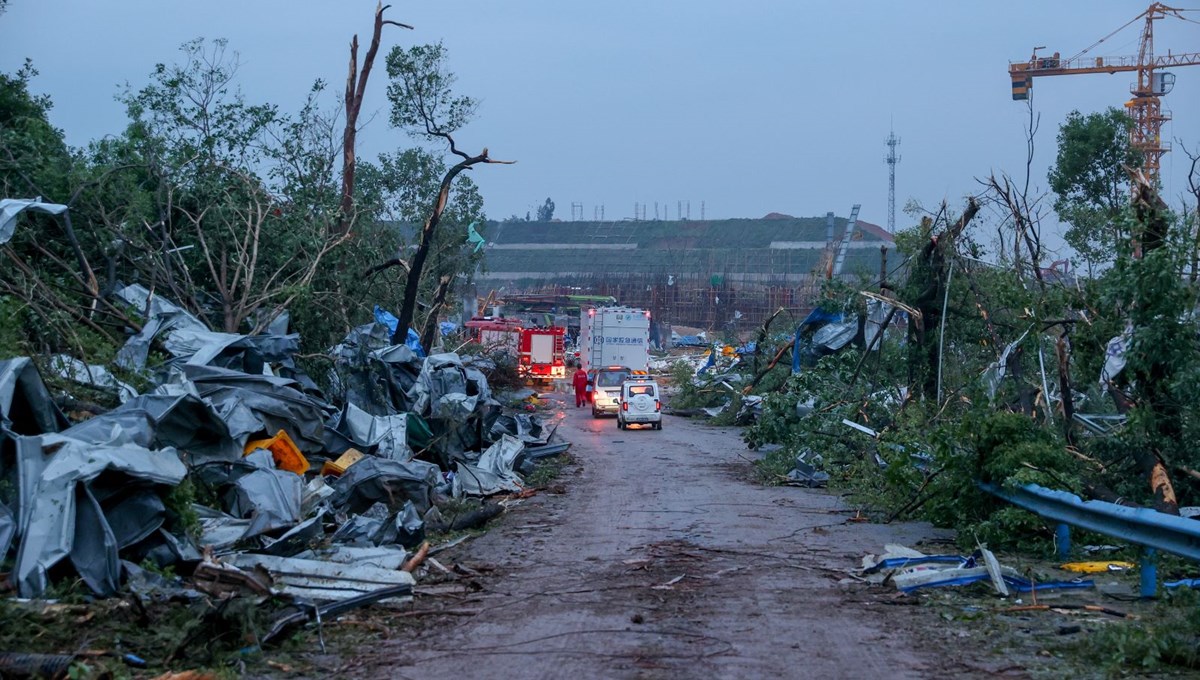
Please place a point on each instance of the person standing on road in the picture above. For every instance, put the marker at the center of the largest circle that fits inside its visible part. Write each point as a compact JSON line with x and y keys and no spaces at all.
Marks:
{"x":580,"y":382}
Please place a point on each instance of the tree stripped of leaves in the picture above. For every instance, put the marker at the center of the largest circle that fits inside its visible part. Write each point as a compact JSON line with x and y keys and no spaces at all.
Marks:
{"x":356,"y":87}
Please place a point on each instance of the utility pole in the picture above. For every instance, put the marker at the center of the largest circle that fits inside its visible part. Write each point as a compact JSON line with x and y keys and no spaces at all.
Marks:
{"x":892,"y":159}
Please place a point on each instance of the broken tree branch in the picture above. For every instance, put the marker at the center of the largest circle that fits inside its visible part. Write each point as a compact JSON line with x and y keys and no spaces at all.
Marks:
{"x":356,"y":88}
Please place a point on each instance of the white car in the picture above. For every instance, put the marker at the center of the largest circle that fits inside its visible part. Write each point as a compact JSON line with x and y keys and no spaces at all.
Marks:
{"x":640,"y":404}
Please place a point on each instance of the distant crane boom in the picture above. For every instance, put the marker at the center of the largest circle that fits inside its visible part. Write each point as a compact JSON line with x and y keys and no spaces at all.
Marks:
{"x":1145,"y":108}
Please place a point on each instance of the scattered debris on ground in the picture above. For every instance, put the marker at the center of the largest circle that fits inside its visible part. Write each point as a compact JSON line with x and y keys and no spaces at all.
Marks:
{"x":211,"y":516}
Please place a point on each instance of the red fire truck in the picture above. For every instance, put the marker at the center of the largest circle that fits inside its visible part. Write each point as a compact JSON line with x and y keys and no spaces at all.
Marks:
{"x":542,"y":356}
{"x":539,"y":350}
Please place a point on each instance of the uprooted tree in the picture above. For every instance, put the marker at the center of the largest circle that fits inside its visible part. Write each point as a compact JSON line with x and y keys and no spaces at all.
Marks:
{"x":425,"y":106}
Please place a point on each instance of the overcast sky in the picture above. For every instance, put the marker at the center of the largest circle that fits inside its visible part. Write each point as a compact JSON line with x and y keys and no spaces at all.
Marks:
{"x":750,"y":107}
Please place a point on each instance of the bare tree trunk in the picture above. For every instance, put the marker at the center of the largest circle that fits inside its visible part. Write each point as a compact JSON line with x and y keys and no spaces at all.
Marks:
{"x":431,"y":321}
{"x":1063,"y":349}
{"x":356,"y":87}
{"x":1153,"y":380}
{"x":412,"y":282}
{"x":934,"y":255}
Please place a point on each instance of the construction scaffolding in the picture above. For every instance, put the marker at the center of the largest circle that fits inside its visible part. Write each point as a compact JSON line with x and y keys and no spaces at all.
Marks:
{"x":715,"y":303}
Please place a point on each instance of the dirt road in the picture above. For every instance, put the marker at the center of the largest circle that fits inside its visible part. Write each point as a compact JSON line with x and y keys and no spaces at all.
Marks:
{"x":662,"y":559}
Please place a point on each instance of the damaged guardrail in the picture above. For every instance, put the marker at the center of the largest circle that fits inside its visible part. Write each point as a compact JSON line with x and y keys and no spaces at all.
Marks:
{"x":1142,"y":526}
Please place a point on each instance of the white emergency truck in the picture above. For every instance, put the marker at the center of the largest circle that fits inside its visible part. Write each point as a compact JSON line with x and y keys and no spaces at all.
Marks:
{"x":614,"y":336}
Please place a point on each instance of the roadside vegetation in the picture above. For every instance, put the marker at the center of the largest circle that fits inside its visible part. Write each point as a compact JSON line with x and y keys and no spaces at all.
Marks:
{"x":1000,"y":367}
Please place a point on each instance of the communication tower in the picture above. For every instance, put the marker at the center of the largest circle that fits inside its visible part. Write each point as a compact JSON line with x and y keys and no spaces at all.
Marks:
{"x":892,"y":159}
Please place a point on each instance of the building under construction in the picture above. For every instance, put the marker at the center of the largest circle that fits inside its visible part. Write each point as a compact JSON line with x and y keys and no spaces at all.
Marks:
{"x":715,"y":274}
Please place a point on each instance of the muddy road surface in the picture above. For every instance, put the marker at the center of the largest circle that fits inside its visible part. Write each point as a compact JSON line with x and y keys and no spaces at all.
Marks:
{"x":661,"y":558}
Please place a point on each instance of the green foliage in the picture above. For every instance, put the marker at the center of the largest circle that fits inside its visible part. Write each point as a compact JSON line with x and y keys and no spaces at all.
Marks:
{"x":34,"y":160}
{"x":545,"y":211}
{"x":694,"y":391}
{"x":12,"y":328}
{"x":547,"y":470}
{"x":1090,"y":180}
{"x":1169,"y":639}
{"x":422,"y":92}
{"x":180,"y":506}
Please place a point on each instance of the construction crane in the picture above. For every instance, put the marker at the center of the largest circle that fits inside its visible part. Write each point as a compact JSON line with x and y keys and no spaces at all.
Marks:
{"x":1152,"y":83}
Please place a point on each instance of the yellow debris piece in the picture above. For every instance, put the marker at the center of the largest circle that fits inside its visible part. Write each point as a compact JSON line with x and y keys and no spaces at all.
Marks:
{"x":285,"y":452}
{"x":1097,"y":567}
{"x":337,"y":467}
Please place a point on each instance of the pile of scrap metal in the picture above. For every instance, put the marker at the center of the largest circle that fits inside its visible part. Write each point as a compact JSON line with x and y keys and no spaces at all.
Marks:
{"x":315,"y":495}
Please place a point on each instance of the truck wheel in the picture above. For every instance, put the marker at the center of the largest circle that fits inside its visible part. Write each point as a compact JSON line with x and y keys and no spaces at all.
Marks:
{"x":658,"y":425}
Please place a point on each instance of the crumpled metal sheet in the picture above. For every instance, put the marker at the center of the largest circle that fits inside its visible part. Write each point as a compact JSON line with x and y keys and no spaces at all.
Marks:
{"x":834,"y":336}
{"x":523,"y":426}
{"x":441,"y":390}
{"x":91,"y":374}
{"x":494,"y":473}
{"x":26,"y":407}
{"x":162,"y":316}
{"x":154,"y":421}
{"x":385,"y":436}
{"x":48,"y":530}
{"x":379,"y":480}
{"x":11,"y":207}
{"x":94,"y":548}
{"x":405,"y":527}
{"x":383,"y":557}
{"x":994,"y":374}
{"x":877,"y":311}
{"x":269,"y":498}
{"x":322,"y":581}
{"x":274,"y":402}
{"x":219,"y":530}
{"x":188,"y":338}
{"x":301,"y":537}
{"x":372,"y":373}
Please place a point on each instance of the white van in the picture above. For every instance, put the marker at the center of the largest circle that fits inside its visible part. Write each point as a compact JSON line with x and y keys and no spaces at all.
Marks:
{"x":640,"y":404}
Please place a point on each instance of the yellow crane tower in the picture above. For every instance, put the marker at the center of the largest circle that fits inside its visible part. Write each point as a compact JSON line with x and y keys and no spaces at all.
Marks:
{"x":1145,"y":108}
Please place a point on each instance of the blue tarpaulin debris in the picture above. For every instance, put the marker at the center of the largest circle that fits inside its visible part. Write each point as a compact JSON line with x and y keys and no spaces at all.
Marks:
{"x":412,"y":340}
{"x":910,"y":570}
{"x":816,"y":318}
{"x":748,"y":348}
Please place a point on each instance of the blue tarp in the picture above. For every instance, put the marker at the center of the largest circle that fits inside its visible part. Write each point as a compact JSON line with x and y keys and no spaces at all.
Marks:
{"x":412,"y":340}
{"x":817,"y":317}
{"x":447,"y":327}
{"x":748,"y":348}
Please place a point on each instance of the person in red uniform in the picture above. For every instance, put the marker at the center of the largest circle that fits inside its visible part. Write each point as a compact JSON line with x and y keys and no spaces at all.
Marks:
{"x":580,"y":382}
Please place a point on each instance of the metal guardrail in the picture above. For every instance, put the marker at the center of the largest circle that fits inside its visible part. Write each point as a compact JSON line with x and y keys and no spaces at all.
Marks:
{"x":1142,"y":526}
